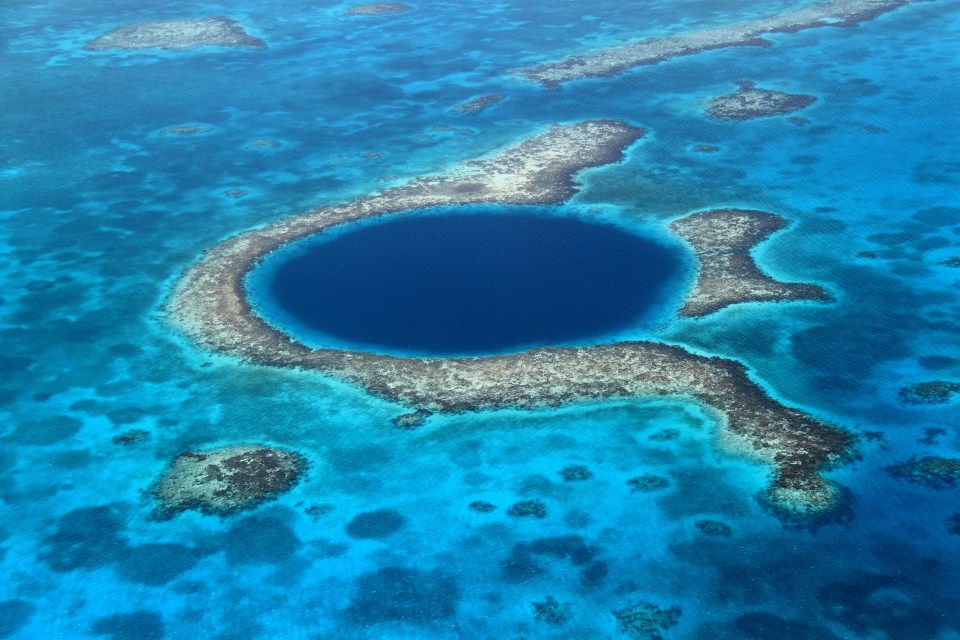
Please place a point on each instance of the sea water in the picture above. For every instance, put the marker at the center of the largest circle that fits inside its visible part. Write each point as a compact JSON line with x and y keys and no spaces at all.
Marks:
{"x":102,"y":211}
{"x":470,"y":281}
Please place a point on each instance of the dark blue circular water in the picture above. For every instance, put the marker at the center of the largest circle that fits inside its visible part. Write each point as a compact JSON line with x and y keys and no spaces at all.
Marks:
{"x":468,"y":282}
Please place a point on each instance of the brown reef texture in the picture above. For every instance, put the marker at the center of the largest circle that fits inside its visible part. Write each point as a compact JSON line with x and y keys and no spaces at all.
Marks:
{"x":378,"y":9}
{"x":209,"y":305}
{"x":750,"y":101}
{"x":226,"y":481}
{"x":727,"y":274}
{"x":615,"y":60}
{"x":178,"y":35}
{"x":478,"y":104}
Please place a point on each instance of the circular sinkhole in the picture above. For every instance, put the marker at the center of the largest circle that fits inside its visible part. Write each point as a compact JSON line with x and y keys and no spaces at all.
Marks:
{"x":469,"y":281}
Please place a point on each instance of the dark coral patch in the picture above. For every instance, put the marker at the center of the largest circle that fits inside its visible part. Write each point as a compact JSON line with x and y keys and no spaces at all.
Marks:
{"x":85,"y":539}
{"x":645,"y":621}
{"x":528,"y":509}
{"x":378,"y":524}
{"x":647,"y":483}
{"x":934,"y":392}
{"x":402,"y":594}
{"x":575,"y":472}
{"x":932,"y":471}
{"x":259,"y":539}
{"x":14,"y":615}
{"x":713,"y":528}
{"x":155,"y":564}
{"x":138,"y":625}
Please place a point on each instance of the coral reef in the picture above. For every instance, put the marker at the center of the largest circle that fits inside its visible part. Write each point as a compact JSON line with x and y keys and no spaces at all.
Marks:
{"x":130,"y":437}
{"x":412,"y":420}
{"x":178,"y":35}
{"x":575,"y":472}
{"x":935,"y":392}
{"x":713,"y":528}
{"x":402,"y":594}
{"x":645,"y":621}
{"x":615,"y":60}
{"x":482,"y":507}
{"x":209,"y":304}
{"x":647,"y":483}
{"x":932,"y":471}
{"x":226,"y":481}
{"x":378,"y":9}
{"x":551,"y":611}
{"x":750,"y":102}
{"x":478,"y":104}
{"x":528,"y":509}
{"x":722,"y":239}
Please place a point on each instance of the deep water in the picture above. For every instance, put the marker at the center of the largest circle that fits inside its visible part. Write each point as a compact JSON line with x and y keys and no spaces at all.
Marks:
{"x":466,"y":281}
{"x":101,"y":211}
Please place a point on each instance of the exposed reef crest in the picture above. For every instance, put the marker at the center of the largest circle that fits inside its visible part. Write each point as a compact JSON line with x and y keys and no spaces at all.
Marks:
{"x":209,"y":304}
{"x":178,"y":35}
{"x":616,"y":60}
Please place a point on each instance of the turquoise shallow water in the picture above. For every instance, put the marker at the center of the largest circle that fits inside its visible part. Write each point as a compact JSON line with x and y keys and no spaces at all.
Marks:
{"x":102,"y":210}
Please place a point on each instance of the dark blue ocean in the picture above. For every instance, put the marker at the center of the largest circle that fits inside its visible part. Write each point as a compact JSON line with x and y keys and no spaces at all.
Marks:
{"x":102,"y":209}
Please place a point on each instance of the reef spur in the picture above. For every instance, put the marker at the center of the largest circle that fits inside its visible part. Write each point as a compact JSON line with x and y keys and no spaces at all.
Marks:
{"x":209,"y":305}
{"x":614,"y":60}
{"x":178,"y":35}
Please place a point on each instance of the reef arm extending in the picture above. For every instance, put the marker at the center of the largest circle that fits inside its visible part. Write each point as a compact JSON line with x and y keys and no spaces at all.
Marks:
{"x":616,"y":60}
{"x":722,"y":240}
{"x":209,"y":305}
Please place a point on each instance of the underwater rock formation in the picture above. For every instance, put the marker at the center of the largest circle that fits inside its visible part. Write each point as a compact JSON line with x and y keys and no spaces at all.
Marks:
{"x":615,"y":60}
{"x":178,"y":35}
{"x":411,"y":420}
{"x":713,"y":528}
{"x":226,"y":481}
{"x":528,"y":509}
{"x":749,"y":102}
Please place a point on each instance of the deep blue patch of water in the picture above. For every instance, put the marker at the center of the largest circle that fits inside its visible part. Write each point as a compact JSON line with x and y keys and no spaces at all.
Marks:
{"x":470,"y":281}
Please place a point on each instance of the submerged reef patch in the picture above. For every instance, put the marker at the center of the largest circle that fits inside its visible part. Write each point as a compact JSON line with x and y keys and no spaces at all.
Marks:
{"x":178,"y":35}
{"x":209,"y":304}
{"x":615,"y":60}
{"x":478,"y":104}
{"x":403,"y":594}
{"x":645,"y":621}
{"x":551,"y":611}
{"x":749,"y":102}
{"x":935,"y":392}
{"x":226,"y":481}
{"x":934,"y":472}
{"x":378,"y":9}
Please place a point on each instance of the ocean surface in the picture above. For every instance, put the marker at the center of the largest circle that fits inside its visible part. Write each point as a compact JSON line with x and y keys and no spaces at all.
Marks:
{"x":471,"y":281}
{"x":103,"y":208}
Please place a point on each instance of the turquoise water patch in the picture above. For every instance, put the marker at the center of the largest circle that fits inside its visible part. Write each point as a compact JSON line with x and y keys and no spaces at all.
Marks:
{"x":470,"y":280}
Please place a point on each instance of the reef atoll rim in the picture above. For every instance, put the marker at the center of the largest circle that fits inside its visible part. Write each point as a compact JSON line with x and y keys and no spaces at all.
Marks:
{"x":722,"y":239}
{"x":209,"y":305}
{"x":178,"y":35}
{"x":615,"y":60}
{"x":226,"y":481}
